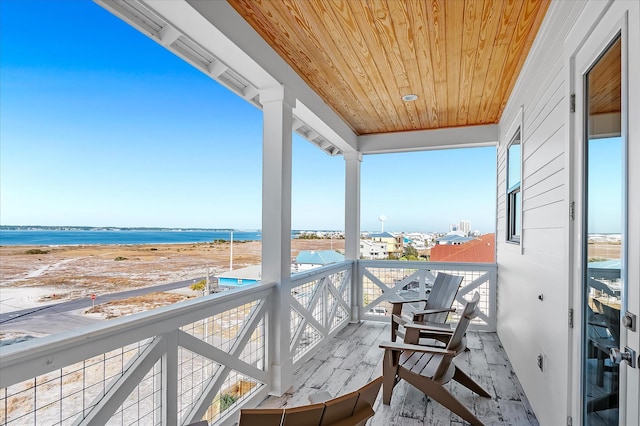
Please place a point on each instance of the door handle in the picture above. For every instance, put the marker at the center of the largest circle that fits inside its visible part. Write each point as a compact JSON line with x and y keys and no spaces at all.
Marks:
{"x":617,"y":356}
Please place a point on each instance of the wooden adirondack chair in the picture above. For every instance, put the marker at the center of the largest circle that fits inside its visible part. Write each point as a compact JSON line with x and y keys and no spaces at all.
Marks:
{"x":430,"y":368}
{"x":352,"y":409}
{"x":436,"y":309}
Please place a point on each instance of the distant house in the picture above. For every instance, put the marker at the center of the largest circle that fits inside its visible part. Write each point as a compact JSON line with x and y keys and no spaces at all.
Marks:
{"x":240,"y":277}
{"x":453,"y":238}
{"x":308,"y":259}
{"x":394,"y":243}
{"x":373,"y":249}
{"x":482,"y":250}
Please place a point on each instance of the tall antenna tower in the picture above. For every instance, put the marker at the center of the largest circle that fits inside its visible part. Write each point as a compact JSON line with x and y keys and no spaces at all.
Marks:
{"x":382,"y":218}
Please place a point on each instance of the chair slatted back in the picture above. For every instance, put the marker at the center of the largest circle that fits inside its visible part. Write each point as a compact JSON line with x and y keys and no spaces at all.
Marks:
{"x":456,"y":340}
{"x":305,"y":415}
{"x":444,"y":290}
{"x":339,"y":408}
{"x":368,"y":394}
{"x":612,"y":319}
{"x":261,"y":416}
{"x":348,"y":410}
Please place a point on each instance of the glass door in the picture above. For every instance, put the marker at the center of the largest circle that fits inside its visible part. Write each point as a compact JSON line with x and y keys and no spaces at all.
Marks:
{"x":603,"y":237}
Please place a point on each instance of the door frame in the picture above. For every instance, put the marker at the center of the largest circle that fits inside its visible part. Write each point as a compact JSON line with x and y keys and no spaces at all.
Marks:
{"x":598,"y":24}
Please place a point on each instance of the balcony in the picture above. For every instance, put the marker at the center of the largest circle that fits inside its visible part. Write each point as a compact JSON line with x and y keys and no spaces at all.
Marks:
{"x":206,"y":358}
{"x":353,"y":358}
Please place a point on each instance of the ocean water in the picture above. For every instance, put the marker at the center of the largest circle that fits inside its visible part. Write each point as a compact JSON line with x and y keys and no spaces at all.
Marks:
{"x":83,"y":237}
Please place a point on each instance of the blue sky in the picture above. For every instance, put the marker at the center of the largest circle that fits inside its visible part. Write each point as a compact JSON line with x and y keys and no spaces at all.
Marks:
{"x":101,"y":126}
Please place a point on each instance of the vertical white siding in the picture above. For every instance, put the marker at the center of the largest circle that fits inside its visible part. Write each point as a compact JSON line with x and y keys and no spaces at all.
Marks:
{"x":528,"y":326}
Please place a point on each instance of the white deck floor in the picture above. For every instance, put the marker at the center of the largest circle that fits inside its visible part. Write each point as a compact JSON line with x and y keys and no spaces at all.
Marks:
{"x":353,"y":358}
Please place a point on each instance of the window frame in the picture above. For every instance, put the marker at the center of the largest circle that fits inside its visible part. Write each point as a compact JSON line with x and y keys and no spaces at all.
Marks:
{"x":514,"y":193}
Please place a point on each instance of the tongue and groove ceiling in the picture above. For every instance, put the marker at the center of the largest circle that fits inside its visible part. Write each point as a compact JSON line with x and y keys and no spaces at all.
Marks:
{"x":460,"y":57}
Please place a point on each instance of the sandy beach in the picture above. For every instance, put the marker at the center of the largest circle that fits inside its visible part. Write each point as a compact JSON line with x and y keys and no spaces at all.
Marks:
{"x":32,"y":276}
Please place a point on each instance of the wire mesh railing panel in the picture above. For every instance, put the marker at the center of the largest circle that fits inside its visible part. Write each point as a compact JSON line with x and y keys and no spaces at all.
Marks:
{"x":194,"y":372}
{"x":143,"y":405}
{"x":233,"y":392}
{"x":126,"y":384}
{"x":324,"y":306}
{"x":382,"y":281}
{"x":66,"y":394}
{"x":226,"y":331}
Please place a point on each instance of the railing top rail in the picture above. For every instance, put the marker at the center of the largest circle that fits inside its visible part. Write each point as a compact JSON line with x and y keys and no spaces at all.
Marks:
{"x":321,"y":271}
{"x":429,"y":265}
{"x":58,"y":350}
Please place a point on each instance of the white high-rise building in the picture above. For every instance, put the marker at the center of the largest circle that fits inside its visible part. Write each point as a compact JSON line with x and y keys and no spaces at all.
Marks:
{"x":464,"y":226}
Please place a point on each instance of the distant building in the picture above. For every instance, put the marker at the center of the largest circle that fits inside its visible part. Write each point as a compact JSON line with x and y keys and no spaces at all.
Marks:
{"x":465,"y":226}
{"x":453,"y":238}
{"x":307,"y":259}
{"x":481,"y":250}
{"x":240,"y":277}
{"x":373,"y":249}
{"x":395,"y":244}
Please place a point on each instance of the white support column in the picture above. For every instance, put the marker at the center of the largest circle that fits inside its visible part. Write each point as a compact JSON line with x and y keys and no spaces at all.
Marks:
{"x":352,"y":226}
{"x":276,"y":230}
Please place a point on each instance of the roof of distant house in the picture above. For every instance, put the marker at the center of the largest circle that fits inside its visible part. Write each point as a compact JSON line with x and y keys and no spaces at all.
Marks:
{"x":478,"y":250}
{"x":453,"y":238}
{"x":252,"y":272}
{"x":323,"y":257}
{"x":382,"y":235}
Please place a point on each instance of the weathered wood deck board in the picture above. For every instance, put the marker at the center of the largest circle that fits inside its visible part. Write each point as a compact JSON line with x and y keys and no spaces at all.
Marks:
{"x":353,"y":358}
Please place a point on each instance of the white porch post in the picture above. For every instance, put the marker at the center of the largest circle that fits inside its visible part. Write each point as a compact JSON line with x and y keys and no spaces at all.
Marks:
{"x":352,"y":226}
{"x":276,"y":229}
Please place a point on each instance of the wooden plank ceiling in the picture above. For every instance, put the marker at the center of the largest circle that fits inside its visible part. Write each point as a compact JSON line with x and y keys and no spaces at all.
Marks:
{"x":461,"y":57}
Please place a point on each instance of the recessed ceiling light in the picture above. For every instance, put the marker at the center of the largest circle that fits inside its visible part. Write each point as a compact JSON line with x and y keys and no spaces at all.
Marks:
{"x":409,"y":98}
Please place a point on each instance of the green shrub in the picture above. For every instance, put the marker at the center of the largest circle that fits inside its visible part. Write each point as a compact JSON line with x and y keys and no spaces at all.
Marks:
{"x":199,"y":286}
{"x":36,"y":251}
{"x":120,"y":258}
{"x":226,"y":401}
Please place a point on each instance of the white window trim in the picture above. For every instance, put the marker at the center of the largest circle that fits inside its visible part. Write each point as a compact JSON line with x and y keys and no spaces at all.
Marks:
{"x":515,"y":127}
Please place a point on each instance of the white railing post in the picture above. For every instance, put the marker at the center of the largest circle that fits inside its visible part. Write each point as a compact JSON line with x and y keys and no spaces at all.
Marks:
{"x":170,"y":380}
{"x":276,"y":229}
{"x":352,"y":227}
{"x":493,"y":300}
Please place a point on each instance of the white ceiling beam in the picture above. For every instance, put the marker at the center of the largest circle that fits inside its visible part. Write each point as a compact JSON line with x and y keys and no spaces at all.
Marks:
{"x":451,"y":137}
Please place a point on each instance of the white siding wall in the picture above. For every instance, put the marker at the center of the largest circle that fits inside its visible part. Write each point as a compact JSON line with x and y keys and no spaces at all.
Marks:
{"x":527,"y":326}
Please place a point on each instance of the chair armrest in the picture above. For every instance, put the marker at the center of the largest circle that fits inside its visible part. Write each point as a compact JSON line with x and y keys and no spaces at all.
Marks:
{"x":398,"y":319}
{"x":402,"y":301}
{"x":434,"y":311}
{"x":397,"y":346}
{"x":430,"y":328}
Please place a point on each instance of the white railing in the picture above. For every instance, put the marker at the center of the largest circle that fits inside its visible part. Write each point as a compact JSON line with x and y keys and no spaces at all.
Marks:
{"x":175,"y":365}
{"x":205,"y":358}
{"x":382,"y":280}
{"x":320,"y":307}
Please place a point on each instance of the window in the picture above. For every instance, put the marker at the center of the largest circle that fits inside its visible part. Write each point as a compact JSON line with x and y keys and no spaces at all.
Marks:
{"x":514,"y":196}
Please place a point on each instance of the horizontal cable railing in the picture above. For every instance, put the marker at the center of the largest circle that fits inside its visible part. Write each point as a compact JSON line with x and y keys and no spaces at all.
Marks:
{"x":186,"y":362}
{"x":381,"y":281}
{"x":320,"y":307}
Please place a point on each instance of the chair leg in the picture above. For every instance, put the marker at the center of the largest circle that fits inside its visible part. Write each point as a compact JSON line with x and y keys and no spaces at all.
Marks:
{"x":389,"y":377}
{"x":439,"y":393}
{"x":466,"y":381}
